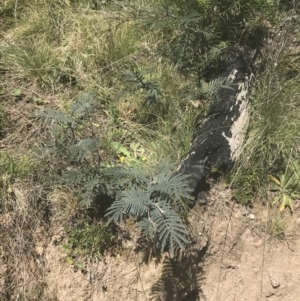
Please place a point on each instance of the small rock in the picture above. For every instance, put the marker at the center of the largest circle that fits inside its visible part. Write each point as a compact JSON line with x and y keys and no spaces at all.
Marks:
{"x":244,"y":211}
{"x":202,"y":198}
{"x":270,"y":294}
{"x":39,"y":250}
{"x":274,"y":279}
{"x":252,"y":216}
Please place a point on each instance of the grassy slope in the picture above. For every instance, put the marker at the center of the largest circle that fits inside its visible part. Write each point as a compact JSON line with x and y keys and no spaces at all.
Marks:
{"x":51,"y":51}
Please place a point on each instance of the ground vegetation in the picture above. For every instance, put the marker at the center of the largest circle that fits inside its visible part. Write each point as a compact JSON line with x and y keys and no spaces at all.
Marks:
{"x":100,"y":101}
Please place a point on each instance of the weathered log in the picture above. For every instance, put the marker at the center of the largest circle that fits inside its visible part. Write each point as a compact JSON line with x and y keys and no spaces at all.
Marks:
{"x":219,"y":140}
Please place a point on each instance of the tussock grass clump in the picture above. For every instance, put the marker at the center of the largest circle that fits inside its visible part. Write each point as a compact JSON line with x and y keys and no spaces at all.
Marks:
{"x":280,"y":225}
{"x":273,"y":143}
{"x":55,"y":42}
{"x":64,"y":205}
{"x":164,"y":124}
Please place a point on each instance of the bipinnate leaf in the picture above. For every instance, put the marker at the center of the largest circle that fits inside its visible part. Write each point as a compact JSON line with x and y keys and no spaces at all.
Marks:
{"x":170,"y":229}
{"x":131,"y":202}
{"x":53,"y":116}
{"x":82,"y":106}
{"x":82,"y":148}
{"x":173,"y":186}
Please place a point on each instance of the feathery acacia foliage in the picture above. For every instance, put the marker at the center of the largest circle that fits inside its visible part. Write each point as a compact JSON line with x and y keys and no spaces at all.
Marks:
{"x":67,"y":144}
{"x":155,"y":197}
{"x":63,"y":128}
{"x":157,"y":202}
{"x":197,"y":35}
{"x":135,"y":81}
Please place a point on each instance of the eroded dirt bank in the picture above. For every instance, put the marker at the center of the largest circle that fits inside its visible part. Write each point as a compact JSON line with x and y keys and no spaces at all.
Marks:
{"x":248,"y":258}
{"x":237,"y":253}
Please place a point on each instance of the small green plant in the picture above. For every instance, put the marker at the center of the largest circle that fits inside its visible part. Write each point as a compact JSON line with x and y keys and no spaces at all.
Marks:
{"x":18,"y":92}
{"x":67,"y":143}
{"x":277,"y":225}
{"x":286,"y":186}
{"x":8,"y":171}
{"x":136,"y":81}
{"x":157,"y":199}
{"x":245,"y":186}
{"x":65,"y":129}
{"x":11,"y":168}
{"x":135,"y":153}
{"x":89,"y":240}
{"x":4,"y":122}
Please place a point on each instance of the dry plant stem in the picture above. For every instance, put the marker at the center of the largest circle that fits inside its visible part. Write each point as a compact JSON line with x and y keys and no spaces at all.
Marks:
{"x":263,"y":259}
{"x":139,"y":275}
{"x":222,"y":254}
{"x":15,"y":10}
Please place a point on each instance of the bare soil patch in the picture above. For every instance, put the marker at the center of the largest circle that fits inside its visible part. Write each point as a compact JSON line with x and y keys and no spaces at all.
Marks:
{"x":237,"y":253}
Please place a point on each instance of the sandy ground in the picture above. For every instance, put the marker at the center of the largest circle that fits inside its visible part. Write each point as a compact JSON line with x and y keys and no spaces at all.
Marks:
{"x":234,"y":255}
{"x":245,"y":263}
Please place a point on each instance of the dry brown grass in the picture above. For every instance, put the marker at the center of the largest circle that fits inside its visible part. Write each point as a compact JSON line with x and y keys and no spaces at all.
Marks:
{"x":281,"y":225}
{"x":64,"y":205}
{"x":22,"y":228}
